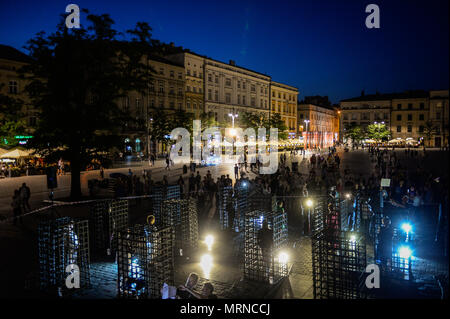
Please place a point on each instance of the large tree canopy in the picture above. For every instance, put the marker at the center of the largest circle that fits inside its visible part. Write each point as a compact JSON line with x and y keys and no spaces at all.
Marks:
{"x":260,"y":120}
{"x":378,"y":132}
{"x":76,"y":79}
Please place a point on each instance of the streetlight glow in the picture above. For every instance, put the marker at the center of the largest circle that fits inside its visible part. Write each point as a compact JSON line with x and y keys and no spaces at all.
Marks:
{"x":309,"y":203}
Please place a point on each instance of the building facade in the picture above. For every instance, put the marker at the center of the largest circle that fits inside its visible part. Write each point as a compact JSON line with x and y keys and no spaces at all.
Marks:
{"x":405,"y":114}
{"x":11,"y":60}
{"x":194,"y":76}
{"x":230,"y":89}
{"x":317,"y":125}
{"x":284,"y":102}
{"x":165,"y":93}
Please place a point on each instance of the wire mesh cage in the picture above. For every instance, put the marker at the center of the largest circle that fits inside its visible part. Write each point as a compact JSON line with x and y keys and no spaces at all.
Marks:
{"x":145,"y":261}
{"x":401,"y":261}
{"x":226,"y":208}
{"x":241,"y":204}
{"x":264,"y":257}
{"x":182,"y":214}
{"x":106,"y":218}
{"x":161,"y":193}
{"x":338,"y":257}
{"x":63,"y":242}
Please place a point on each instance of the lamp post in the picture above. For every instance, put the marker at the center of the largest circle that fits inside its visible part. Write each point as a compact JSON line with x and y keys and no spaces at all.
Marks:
{"x":306,"y":121}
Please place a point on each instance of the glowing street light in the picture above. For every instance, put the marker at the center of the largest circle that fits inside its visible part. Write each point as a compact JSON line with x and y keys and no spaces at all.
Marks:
{"x":406,"y":227}
{"x":206,"y":263}
{"x":309,"y":203}
{"x":404,"y":252}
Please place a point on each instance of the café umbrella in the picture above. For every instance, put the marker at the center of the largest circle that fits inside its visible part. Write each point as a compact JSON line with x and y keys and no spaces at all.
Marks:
{"x":17,"y":153}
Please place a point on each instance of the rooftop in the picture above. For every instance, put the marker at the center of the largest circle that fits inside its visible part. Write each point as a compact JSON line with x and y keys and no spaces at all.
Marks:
{"x":9,"y":53}
{"x":412,"y":94}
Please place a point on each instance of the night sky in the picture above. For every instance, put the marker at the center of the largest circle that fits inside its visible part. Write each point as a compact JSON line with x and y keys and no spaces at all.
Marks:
{"x":321,"y":47}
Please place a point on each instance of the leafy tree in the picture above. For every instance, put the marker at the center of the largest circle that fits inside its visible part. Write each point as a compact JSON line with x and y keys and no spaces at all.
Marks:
{"x":76,"y":78}
{"x":378,"y":132}
{"x":260,"y":120}
{"x":355,"y":132}
{"x":12,"y":120}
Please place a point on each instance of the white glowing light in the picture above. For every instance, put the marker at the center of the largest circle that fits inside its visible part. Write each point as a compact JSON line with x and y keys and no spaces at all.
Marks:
{"x":283,"y":258}
{"x":406,"y":227}
{"x":206,"y":263}
{"x":405,"y":252}
{"x":209,"y":240}
{"x":309,"y":203}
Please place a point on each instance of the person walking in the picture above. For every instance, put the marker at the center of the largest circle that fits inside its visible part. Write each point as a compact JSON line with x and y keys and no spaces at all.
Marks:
{"x":236,"y":171}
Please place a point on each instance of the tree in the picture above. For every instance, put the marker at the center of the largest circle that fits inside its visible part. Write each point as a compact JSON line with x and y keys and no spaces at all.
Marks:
{"x":355,"y":133}
{"x":12,"y":121}
{"x":429,"y":130}
{"x":378,"y":132}
{"x":76,"y":78}
{"x":260,"y":120}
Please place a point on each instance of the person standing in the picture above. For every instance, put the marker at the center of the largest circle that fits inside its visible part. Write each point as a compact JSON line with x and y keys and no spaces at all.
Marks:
{"x":236,"y":171}
{"x":265,"y":242}
{"x":25,"y":195}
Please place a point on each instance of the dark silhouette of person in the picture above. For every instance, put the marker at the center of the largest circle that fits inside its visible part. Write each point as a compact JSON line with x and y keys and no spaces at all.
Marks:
{"x":265,"y":242}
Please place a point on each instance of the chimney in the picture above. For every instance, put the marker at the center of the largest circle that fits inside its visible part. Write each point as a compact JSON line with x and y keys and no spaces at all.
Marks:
{"x":232,"y":62}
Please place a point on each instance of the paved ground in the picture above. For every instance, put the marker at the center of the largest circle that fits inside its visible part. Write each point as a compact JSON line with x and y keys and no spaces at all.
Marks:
{"x":18,"y":245}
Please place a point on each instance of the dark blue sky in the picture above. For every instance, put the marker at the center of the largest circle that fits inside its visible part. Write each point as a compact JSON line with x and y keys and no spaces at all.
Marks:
{"x":322,"y":47}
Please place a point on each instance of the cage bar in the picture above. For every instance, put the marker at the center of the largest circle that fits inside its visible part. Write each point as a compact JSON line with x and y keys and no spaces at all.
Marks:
{"x":161,"y":193}
{"x":338,"y":257}
{"x":145,"y":261}
{"x":225,"y":206}
{"x":265,"y":265}
{"x":106,"y":218}
{"x":182,"y":214}
{"x":63,"y":242}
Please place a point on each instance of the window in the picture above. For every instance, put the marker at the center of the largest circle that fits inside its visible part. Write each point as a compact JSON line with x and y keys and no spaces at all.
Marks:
{"x":438,"y":115}
{"x":180,"y":91}
{"x":252,"y":101}
{"x":188,"y":72}
{"x":227,"y":98}
{"x":409,"y":128}
{"x":385,"y":116}
{"x":152,"y":103}
{"x":253,"y":88}
{"x":345,"y":116}
{"x":188,"y":88}
{"x":216,"y":95}
{"x":438,"y":130}
{"x":194,"y":106}
{"x":422,"y":106}
{"x":209,"y":78}
{"x":195,"y":73}
{"x":172,"y":90}
{"x":161,"y":71}
{"x":273,"y":94}
{"x":279,"y":95}
{"x":13,"y":87}
{"x":243,"y":100}
{"x":239,"y":99}
{"x":227,"y":82}
{"x":262,"y":103}
{"x":161,"y":103}
{"x":172,"y":74}
{"x":188,"y":104}
{"x":172,"y":105}
{"x":399,"y":129}
{"x":239,"y":84}
{"x":244,"y":85}
{"x":209,"y":94}
{"x":399,"y":106}
{"x":409,"y":106}
{"x":180,"y":76}
{"x":194,"y":89}
{"x":126,"y":103}
{"x":399,"y":117}
{"x":421,"y":129}
{"x":161,"y":86}
{"x":409,"y":117}
{"x":216,"y":79}
{"x":353,"y":116}
{"x":421,"y":117}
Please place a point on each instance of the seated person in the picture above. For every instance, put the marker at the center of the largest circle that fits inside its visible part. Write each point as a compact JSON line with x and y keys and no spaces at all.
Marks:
{"x":183,"y":292}
{"x":207,"y":292}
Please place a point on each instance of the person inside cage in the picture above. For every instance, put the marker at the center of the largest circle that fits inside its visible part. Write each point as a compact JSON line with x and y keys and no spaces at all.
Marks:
{"x":183,"y":290}
{"x":265,"y":242}
{"x":385,"y":243}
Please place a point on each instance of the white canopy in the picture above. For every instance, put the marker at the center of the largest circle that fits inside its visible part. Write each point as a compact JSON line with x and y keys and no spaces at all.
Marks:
{"x":17,"y":153}
{"x":3,"y":151}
